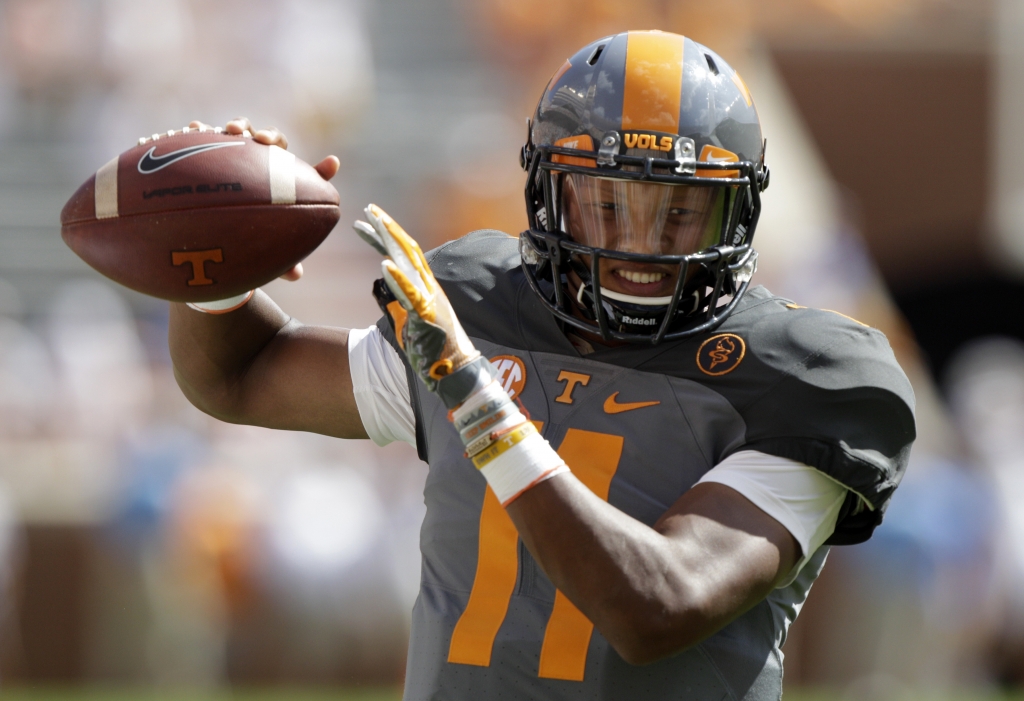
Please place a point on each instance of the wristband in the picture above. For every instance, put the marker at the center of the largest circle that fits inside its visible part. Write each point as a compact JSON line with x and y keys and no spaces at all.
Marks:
{"x":503,"y":445}
{"x":485,"y":415}
{"x":222,"y":306}
{"x":521,"y":467}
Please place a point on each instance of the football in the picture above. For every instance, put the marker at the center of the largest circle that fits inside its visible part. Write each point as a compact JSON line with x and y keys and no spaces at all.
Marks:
{"x":198,"y":215}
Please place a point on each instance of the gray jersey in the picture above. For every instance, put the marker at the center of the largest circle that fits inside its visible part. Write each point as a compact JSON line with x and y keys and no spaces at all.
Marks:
{"x":639,"y":425}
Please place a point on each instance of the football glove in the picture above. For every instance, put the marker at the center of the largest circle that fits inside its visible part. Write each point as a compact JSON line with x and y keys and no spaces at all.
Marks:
{"x":424,"y":322}
{"x":502,"y":443}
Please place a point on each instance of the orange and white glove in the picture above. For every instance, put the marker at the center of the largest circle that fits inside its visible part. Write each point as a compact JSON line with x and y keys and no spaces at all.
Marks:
{"x":425,"y":324}
{"x":503,"y":444}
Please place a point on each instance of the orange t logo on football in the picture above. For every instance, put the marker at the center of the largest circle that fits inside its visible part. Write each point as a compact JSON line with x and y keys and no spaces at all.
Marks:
{"x":198,"y":260}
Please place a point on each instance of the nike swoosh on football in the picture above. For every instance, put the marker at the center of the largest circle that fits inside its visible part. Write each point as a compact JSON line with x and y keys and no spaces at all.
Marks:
{"x":613,"y":407}
{"x":151,"y":164}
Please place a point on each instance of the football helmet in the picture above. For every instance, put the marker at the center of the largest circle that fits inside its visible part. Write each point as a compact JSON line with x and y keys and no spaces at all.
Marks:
{"x":645,"y":164}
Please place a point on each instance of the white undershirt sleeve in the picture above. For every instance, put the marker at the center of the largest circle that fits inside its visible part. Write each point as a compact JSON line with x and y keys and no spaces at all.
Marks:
{"x":801,"y":498}
{"x":381,"y":387}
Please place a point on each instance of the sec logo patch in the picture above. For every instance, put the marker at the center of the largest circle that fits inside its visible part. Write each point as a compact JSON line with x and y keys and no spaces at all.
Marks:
{"x":721,"y":354}
{"x":511,"y":373}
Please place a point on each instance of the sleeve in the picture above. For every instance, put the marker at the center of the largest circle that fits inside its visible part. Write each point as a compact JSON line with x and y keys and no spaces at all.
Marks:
{"x":838,"y":401}
{"x":380,"y":384}
{"x":805,"y":501}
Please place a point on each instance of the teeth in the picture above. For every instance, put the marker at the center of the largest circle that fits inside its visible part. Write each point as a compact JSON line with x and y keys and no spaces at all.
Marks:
{"x":642,"y":278}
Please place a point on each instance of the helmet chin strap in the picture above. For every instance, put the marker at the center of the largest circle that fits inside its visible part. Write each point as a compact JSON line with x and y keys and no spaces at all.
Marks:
{"x":629,"y":299}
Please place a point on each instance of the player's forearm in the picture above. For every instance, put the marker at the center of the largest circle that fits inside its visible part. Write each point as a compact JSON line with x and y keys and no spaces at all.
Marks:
{"x":256,"y":366}
{"x":212,"y":352}
{"x":650,"y":595}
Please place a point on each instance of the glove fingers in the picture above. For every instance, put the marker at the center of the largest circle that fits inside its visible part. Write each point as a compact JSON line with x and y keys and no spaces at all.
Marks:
{"x":393,"y":285}
{"x":402,"y":248}
{"x":409,"y":296}
{"x":369,"y":234}
{"x":378,"y":237}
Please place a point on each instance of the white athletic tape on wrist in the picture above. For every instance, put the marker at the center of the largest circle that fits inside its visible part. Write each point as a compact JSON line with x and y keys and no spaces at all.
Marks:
{"x":223,"y":306}
{"x":522,"y":466}
{"x":511,"y":454}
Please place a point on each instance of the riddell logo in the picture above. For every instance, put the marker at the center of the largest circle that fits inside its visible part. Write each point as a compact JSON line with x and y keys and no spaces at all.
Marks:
{"x":638,"y":321}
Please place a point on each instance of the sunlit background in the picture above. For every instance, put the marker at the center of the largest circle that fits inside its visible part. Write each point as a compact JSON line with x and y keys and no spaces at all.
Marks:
{"x":144,"y":545}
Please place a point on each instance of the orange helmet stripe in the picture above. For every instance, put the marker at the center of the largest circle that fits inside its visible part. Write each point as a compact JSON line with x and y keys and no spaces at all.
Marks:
{"x":653,"y":81}
{"x":743,"y":88}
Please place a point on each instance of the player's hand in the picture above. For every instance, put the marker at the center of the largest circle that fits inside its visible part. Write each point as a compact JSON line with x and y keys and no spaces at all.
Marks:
{"x":241,"y":126}
{"x":273,"y":136}
{"x":428,"y":331}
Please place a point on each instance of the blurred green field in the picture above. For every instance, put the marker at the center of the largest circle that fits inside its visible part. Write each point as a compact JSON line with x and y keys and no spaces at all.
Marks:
{"x":367,"y":694}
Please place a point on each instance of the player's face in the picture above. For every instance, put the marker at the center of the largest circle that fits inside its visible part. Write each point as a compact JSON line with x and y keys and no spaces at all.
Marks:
{"x":640,"y":217}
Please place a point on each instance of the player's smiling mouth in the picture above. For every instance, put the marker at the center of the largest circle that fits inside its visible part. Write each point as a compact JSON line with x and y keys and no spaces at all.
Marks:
{"x":641,"y":282}
{"x":639,"y":277}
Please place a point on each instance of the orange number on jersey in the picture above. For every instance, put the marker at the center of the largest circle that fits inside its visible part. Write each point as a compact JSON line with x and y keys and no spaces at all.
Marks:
{"x":594,"y":458}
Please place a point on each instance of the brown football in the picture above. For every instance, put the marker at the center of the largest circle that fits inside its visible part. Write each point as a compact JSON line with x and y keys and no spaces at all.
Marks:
{"x":199,"y":215}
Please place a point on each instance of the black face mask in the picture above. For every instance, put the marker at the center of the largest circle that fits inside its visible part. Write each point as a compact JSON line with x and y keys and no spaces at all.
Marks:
{"x":627,"y":316}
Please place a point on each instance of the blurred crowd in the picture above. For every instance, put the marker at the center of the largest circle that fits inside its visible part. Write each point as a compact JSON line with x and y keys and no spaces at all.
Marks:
{"x":140,"y":539}
{"x":189,"y":539}
{"x":143,"y":541}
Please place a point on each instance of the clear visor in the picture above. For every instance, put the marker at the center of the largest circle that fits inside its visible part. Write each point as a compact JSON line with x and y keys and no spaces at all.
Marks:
{"x":641,"y":217}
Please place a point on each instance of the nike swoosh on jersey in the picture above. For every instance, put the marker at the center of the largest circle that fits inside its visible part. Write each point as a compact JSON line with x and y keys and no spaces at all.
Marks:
{"x":613,"y":407}
{"x":151,"y":164}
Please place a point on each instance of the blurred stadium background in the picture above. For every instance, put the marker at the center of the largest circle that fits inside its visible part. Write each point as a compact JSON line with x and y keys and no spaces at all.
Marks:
{"x":147,"y":548}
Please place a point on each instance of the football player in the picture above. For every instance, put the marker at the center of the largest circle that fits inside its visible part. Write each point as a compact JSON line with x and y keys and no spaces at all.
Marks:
{"x":638,"y":462}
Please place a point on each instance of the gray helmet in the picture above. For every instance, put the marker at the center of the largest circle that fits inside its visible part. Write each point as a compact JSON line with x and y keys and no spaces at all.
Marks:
{"x":620,"y":127}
